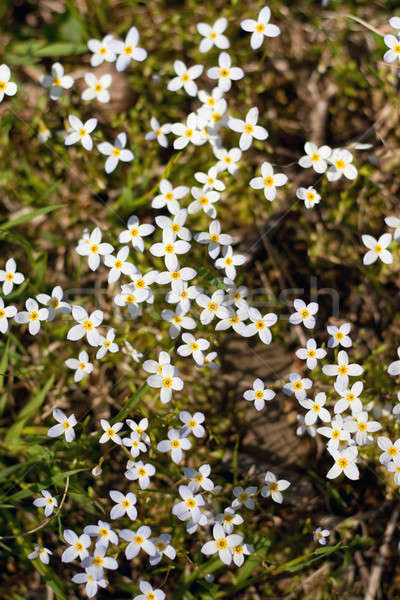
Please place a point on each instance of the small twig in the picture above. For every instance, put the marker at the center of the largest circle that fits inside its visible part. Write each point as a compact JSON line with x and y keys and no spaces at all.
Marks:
{"x":44,"y":523}
{"x":357,"y":19}
{"x":376,"y":572}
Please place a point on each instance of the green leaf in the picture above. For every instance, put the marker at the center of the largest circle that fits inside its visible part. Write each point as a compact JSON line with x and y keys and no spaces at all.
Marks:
{"x":29,"y":410}
{"x":52,"y":579}
{"x":29,"y":216}
{"x":131,"y":403}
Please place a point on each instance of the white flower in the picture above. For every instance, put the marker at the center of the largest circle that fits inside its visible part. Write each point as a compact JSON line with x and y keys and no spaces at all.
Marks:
{"x":239,"y":553}
{"x":176,"y":277}
{"x":394,"y":367}
{"x":297,"y":386}
{"x":274,"y":487}
{"x":42,"y":553}
{"x":107,"y":344}
{"x":97,"y":87}
{"x":192,"y":423}
{"x":236,"y":320}
{"x":92,"y":580}
{"x":230,"y":261}
{"x":124,"y":504}
{"x":187,"y":132}
{"x":134,"y":233}
{"x":66,"y":425}
{"x":104,"y":535}
{"x":309,"y":195}
{"x":99,"y":560}
{"x":225,"y":73}
{"x":94,"y":248}
{"x":336,"y":432}
{"x":244,"y":497}
{"x":135,"y":444}
{"x":32,"y":315}
{"x":204,"y":200}
{"x":54,"y":303}
{"x":119,"y":264}
{"x":154,"y":366}
{"x":185,"y":78}
{"x":213,"y":35}
{"x":227,"y":159}
{"x":7,"y":87}
{"x":178,"y":321}
{"x":177,"y":442}
{"x":320,"y":535}
{"x":260,"y":324}
{"x":228,"y":519}
{"x":138,"y":540}
{"x":345,"y":461}
{"x":149,"y":593}
{"x":303,"y":428}
{"x":190,"y":507}
{"x":141,"y":472}
{"x":209,"y":180}
{"x":159,"y":132}
{"x":101,"y":51}
{"x":222,"y":544}
{"x":393,"y":43}
{"x":44,"y":132}
{"x":140,"y":428}
{"x":377,"y":249}
{"x":349,"y":398}
{"x":260,"y":28}
{"x":183,"y":294}
{"x":115,"y":152}
{"x":77,"y":546}
{"x":394,"y":467}
{"x":339,"y":335}
{"x":193,"y":347}
{"x":213,"y":306}
{"x":56,"y":82}
{"x":199,"y":479}
{"x":315,"y":157}
{"x":87,"y":325}
{"x":394,"y":222}
{"x":169,"y":196}
{"x":10,"y":276}
{"x":6,"y":312}
{"x":169,"y":247}
{"x":304,"y":313}
{"x":163,"y":546}
{"x":167,"y":380}
{"x":342,"y":370}
{"x":110,"y":432}
{"x":248,"y":128}
{"x":269,"y":181}
{"x":341,"y":160}
{"x":214,"y":238}
{"x":176,"y":225}
{"x":81,"y":365}
{"x":258,"y":394}
{"x":128,"y":50}
{"x":360,"y":425}
{"x":390,"y":450}
{"x":311,"y":354}
{"x":80,"y":132}
{"x":315,"y":409}
{"x":136,"y":355}
{"x":48,"y":501}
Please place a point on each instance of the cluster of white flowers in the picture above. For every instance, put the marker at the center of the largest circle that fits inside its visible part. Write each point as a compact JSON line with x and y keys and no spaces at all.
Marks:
{"x":220,"y":307}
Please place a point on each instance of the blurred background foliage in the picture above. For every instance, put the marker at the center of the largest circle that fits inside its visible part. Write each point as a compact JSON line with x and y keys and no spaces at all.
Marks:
{"x":322,"y":80}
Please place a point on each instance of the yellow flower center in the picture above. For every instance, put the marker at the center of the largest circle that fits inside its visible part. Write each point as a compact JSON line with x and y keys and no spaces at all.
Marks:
{"x":34,"y":316}
{"x":273,"y":487}
{"x":130,"y":299}
{"x":340,"y":164}
{"x":103,"y":50}
{"x":150,"y":596}
{"x":298,"y":385}
{"x":175,"y":275}
{"x":184,"y":294}
{"x":107,"y":344}
{"x":79,"y":546}
{"x":194,"y":346}
{"x":213,"y":35}
{"x":175,"y":227}
{"x":222,"y":544}
{"x":269,"y":181}
{"x":110,"y":432}
{"x":190,"y":503}
{"x":128,"y":50}
{"x":66,"y":425}
{"x":199,"y":478}
{"x":392,"y":451}
{"x":228,"y":261}
{"x":160,"y":546}
{"x":118,"y":264}
{"x":175,"y":443}
{"x":311,"y":353}
{"x":103,"y":532}
{"x":177,"y":319}
{"x":350,"y":397}
{"x":316,"y":408}
{"x":397,"y":48}
{"x":98,"y":87}
{"x":116,"y":152}
{"x":238,"y":549}
{"x":228,"y":518}
{"x":224,"y":73}
{"x":189,"y":133}
{"x":304,"y":313}
{"x":98,"y":561}
{"x":339,"y":335}
{"x":141,"y":471}
{"x":82,"y":132}
{"x":185,"y":77}
{"x":260,"y":28}
{"x":138,"y":539}
{"x":167,"y":382}
{"x":2,"y":313}
{"x":315,"y":157}
{"x":3,"y":86}
{"x":259,"y":395}
{"x":216,"y":117}
{"x":342,"y":369}
{"x":82,"y":365}
{"x":343,"y":462}
{"x":248,"y":128}
{"x":125,"y":503}
{"x":54,"y":303}
{"x":234,"y":319}
{"x":213,"y":306}
{"x":140,"y":283}
{"x":362,"y":426}
{"x":169,"y":196}
{"x":192,"y":423}
{"x":335,"y":434}
{"x":378,"y":249}
{"x":56,"y":81}
{"x":203,"y":200}
{"x":310,"y":196}
{"x":10,"y":276}
{"x":169,"y":249}
{"x":94,"y":248}
{"x":88,"y":325}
